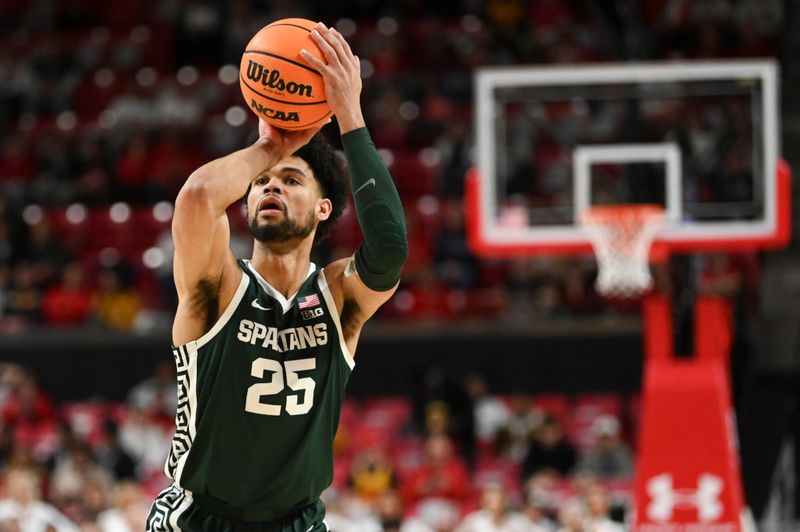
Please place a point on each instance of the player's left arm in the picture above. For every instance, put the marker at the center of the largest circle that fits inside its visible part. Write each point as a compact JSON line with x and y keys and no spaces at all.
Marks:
{"x":365,"y":281}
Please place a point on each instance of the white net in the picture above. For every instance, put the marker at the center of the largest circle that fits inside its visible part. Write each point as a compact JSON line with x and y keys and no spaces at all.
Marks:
{"x":621,"y":236}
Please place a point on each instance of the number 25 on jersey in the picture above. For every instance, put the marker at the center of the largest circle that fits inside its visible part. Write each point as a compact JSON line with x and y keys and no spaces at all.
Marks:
{"x":304,"y":385}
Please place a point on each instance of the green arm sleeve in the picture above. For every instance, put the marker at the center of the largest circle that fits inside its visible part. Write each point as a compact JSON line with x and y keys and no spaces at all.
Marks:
{"x":380,"y":258}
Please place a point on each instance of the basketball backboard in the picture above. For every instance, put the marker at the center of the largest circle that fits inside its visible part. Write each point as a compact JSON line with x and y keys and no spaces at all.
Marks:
{"x":698,"y":138}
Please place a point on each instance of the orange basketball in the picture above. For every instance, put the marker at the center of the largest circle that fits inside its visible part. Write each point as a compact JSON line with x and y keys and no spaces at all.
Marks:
{"x":277,"y":83}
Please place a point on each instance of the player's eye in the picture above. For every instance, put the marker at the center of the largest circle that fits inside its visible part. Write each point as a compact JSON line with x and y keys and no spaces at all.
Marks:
{"x":292,"y":181}
{"x":260,"y":181}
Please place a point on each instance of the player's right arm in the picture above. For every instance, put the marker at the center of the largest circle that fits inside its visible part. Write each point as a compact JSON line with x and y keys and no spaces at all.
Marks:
{"x":204,"y":268}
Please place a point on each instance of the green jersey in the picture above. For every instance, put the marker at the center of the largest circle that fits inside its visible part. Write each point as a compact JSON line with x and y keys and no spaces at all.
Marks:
{"x":259,"y":397}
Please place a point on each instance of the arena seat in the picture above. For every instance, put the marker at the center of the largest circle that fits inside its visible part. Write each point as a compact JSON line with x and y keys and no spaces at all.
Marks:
{"x":555,"y":405}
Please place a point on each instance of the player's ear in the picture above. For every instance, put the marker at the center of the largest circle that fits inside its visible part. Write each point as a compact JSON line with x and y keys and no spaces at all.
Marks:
{"x":324,"y":209}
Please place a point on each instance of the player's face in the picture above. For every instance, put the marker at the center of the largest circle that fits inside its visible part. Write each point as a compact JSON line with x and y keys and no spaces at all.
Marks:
{"x":285,"y":203}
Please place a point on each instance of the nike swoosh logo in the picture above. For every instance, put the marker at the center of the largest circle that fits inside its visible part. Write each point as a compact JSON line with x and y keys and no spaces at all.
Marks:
{"x":256,"y":305}
{"x":371,"y":181}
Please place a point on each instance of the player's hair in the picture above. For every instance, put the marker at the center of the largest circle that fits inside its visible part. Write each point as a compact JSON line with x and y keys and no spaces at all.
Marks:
{"x":330,"y":174}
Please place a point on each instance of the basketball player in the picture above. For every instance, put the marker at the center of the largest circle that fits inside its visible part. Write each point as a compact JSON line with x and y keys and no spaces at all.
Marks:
{"x":266,"y":345}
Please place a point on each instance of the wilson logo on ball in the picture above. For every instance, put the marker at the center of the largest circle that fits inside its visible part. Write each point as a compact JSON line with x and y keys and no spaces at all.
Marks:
{"x":291,"y":116}
{"x":273,"y":80}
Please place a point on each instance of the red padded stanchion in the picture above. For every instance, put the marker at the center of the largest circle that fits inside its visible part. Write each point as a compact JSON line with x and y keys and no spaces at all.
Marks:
{"x":687,"y":475}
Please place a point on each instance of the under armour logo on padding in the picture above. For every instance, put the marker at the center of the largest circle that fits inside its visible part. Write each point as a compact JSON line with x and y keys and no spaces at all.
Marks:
{"x":665,"y":498}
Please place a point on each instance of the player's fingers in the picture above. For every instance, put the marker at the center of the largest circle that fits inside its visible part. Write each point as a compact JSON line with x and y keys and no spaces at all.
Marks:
{"x":347,"y":52}
{"x":313,"y":60}
{"x":327,"y":49}
{"x":330,"y":35}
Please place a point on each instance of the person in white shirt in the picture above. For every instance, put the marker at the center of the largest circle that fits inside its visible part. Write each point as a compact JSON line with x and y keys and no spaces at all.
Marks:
{"x":23,"y":510}
{"x":496,"y":515}
{"x":491,"y":413}
{"x":129,"y":511}
{"x":598,"y":506}
{"x":572,"y":517}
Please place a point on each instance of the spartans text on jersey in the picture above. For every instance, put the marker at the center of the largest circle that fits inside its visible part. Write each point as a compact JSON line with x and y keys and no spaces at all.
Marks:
{"x":282,"y":340}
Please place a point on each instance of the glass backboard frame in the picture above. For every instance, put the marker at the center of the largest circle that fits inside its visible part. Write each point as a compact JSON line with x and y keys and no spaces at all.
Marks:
{"x":490,"y":237}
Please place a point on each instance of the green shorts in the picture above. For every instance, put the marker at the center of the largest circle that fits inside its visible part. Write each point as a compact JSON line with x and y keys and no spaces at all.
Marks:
{"x":174,"y":510}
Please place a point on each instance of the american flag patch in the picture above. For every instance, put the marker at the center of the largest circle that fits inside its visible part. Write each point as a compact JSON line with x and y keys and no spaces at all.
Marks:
{"x":308,"y":301}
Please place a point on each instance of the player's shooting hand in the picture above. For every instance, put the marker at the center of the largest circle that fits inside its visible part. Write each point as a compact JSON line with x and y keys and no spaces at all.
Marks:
{"x":341,"y":73}
{"x":285,"y":142}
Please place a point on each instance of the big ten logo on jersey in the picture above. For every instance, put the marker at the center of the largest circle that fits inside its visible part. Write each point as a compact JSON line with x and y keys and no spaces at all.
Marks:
{"x":311,"y":313}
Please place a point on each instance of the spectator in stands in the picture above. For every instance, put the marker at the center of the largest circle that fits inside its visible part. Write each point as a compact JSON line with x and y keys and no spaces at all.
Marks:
{"x":549,"y":451}
{"x":371,"y":474}
{"x":442,"y":475}
{"x":495,"y":514}
{"x":144,"y":440}
{"x":435,"y":384}
{"x":116,"y":304}
{"x":45,"y":253}
{"x":520,"y":280}
{"x":572,"y":517}
{"x":23,"y":457}
{"x":74,"y":474}
{"x":23,"y":510}
{"x":389,"y":508}
{"x":92,"y":184}
{"x":514,"y":439}
{"x":346,"y":512}
{"x":156,"y":394}
{"x":93,"y":502}
{"x":70,"y":302}
{"x":609,"y":457}
{"x":109,"y":454}
{"x":437,"y":418}
{"x":10,"y":376}
{"x":128,"y":512}
{"x":27,"y":408}
{"x":537,"y":509}
{"x":433,"y":515}
{"x":454,"y":146}
{"x":454,"y":262}
{"x":24,"y":296}
{"x":542,"y":486}
{"x":491,"y":413}
{"x":598,"y":505}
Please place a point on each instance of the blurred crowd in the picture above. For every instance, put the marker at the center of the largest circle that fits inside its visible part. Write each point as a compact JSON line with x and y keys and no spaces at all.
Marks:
{"x":450,"y":457}
{"x":104,"y":113}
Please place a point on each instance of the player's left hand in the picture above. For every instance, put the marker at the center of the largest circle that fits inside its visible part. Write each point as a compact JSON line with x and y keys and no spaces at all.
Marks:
{"x":341,"y":73}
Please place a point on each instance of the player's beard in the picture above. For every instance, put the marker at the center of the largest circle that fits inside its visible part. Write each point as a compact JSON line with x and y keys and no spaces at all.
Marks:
{"x":285,"y":230}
